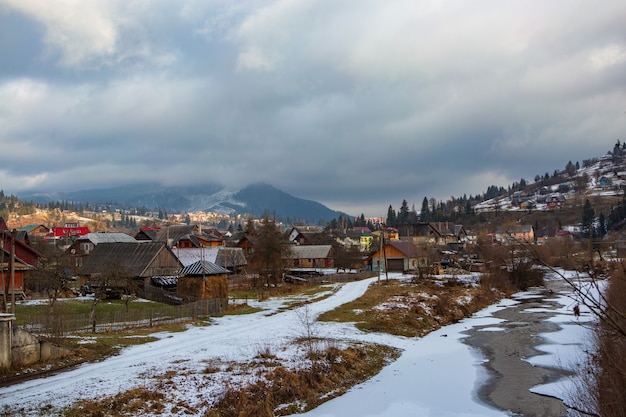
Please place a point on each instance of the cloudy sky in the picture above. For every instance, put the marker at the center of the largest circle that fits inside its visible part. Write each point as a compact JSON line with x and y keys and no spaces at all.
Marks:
{"x":356,"y":104}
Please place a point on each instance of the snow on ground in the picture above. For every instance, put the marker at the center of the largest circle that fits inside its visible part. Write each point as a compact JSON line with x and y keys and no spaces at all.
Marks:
{"x":437,"y":375}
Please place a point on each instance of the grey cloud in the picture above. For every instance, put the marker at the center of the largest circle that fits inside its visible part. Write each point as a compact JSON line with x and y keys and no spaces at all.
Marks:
{"x":356,"y":106}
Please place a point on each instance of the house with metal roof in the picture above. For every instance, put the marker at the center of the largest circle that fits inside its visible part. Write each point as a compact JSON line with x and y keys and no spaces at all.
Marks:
{"x":399,"y":256}
{"x":187,"y":236}
{"x":310,"y":256}
{"x":139,"y":261}
{"x":230,"y":258}
{"x":85,"y":244}
{"x":203,"y":280}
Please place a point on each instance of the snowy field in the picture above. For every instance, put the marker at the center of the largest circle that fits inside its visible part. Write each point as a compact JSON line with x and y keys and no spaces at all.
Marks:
{"x":437,"y":375}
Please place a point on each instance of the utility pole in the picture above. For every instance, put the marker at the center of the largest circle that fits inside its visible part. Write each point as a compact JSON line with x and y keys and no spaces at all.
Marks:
{"x":13,"y":233}
{"x":4,"y":293}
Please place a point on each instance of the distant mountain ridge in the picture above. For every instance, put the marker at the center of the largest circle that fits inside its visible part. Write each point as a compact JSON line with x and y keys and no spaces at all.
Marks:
{"x":255,"y":199}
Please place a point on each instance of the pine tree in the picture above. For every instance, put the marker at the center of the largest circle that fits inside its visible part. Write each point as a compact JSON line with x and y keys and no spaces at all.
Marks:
{"x":403,"y":214}
{"x":425,"y":213}
{"x":588,"y":218}
{"x":392,"y":220}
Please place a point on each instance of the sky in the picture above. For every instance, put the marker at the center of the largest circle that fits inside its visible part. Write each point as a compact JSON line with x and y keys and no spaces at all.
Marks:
{"x":356,"y":104}
{"x":419,"y":382}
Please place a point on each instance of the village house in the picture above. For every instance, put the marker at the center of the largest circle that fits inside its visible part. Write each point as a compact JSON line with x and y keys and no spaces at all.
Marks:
{"x":515,"y":233}
{"x":308,"y":235}
{"x":348,"y":239}
{"x":85,"y":244}
{"x":147,"y":233}
{"x":230,"y":258}
{"x":133,"y":265}
{"x":398,"y":256}
{"x":35,"y":231}
{"x":555,"y":201}
{"x":452,"y":235}
{"x":419,"y":233}
{"x":203,"y":280}
{"x":182,"y":236}
{"x":14,"y":270}
{"x":310,"y":256}
{"x":544,"y":234}
{"x":65,"y":235}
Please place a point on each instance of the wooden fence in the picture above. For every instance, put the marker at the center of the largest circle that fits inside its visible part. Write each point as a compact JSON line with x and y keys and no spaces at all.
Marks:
{"x":64,"y":324}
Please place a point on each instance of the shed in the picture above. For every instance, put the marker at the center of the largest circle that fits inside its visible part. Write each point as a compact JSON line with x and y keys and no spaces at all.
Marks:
{"x":203,"y":280}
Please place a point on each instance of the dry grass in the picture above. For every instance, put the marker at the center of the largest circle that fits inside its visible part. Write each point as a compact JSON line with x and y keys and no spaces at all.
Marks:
{"x":133,"y":402}
{"x":414,"y":308}
{"x":603,"y":391}
{"x":283,"y":391}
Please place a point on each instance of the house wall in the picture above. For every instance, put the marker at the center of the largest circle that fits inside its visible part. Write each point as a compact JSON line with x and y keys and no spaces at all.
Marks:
{"x":165,"y":263}
{"x":19,"y":282}
{"x":311,"y":263}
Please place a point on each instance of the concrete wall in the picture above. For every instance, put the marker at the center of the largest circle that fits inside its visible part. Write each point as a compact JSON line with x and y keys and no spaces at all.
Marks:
{"x":20,"y":348}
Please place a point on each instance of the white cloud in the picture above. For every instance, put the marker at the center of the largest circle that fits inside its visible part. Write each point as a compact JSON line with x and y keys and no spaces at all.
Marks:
{"x":82,"y":32}
{"x":607,"y":56}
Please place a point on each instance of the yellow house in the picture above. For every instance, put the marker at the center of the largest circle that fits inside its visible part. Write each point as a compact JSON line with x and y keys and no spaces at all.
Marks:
{"x":365,"y":242}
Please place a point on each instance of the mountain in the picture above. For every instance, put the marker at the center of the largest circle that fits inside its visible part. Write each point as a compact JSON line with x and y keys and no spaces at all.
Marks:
{"x":255,"y":199}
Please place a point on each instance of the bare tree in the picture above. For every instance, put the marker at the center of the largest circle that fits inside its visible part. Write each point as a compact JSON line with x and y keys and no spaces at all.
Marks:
{"x":346,"y":258}
{"x":52,"y":273}
{"x":114,"y":282}
{"x":271,"y":249}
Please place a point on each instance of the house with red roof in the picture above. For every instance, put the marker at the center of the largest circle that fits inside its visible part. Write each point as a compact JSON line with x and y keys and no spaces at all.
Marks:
{"x":67,"y":232}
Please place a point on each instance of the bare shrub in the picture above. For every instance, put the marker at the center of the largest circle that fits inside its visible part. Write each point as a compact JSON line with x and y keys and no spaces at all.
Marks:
{"x":283,"y":391}
{"x":603,"y":392}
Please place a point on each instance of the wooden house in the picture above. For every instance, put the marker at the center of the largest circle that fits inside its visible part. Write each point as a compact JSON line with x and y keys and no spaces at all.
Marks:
{"x":247,"y":243}
{"x":147,"y":233}
{"x":545,"y":234}
{"x":309,"y":236}
{"x":399,"y":256}
{"x":229,"y":258}
{"x":36,"y":231}
{"x":310,"y":256}
{"x":84,"y":245}
{"x":203,"y":280}
{"x":24,"y":260}
{"x":139,"y":261}
{"x":452,"y":235}
{"x":419,"y":233}
{"x":187,"y":236}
